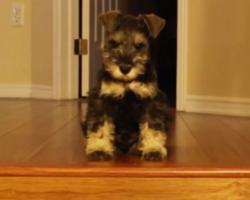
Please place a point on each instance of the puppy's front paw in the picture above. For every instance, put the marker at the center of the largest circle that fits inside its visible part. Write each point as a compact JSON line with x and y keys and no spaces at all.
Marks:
{"x":99,"y":156}
{"x":153,"y":156}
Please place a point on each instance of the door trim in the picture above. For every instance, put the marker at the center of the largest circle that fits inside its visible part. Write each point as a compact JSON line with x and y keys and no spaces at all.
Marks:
{"x":182,"y":38}
{"x":85,"y":58}
{"x":65,"y":63}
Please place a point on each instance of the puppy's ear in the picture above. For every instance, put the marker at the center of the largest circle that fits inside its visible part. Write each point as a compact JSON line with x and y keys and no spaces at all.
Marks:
{"x":108,"y":20}
{"x":154,"y":23}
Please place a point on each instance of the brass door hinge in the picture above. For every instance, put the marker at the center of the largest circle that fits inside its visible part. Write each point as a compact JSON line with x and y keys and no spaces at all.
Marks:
{"x":81,"y":47}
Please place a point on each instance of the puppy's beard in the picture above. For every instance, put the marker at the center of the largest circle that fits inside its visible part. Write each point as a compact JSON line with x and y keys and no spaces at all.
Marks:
{"x":115,"y":72}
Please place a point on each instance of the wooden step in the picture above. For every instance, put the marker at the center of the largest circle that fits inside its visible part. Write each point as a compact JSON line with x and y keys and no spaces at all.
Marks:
{"x":104,"y":180}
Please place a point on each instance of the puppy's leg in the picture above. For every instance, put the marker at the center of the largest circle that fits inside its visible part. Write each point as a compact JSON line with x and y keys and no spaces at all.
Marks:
{"x":152,"y":142}
{"x":100,"y":142}
{"x":98,"y":129}
{"x":153,"y":130}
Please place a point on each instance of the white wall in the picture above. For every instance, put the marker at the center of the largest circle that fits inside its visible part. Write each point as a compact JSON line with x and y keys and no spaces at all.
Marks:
{"x":218,"y":49}
{"x":42,"y":42}
{"x":26,"y":53}
{"x":15,"y":46}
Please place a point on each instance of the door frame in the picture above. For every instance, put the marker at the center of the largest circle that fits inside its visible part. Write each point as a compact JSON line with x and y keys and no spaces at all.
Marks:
{"x":65,"y":64}
{"x":85,"y":72}
{"x":182,"y":38}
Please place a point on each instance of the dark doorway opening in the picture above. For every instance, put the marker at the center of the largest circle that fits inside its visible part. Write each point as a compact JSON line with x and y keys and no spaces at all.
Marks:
{"x":165,"y":49}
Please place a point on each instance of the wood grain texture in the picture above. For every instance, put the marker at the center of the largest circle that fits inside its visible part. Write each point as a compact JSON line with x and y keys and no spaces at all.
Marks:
{"x":219,"y":141}
{"x":241,"y":125}
{"x":23,"y":113}
{"x":12,"y":188}
{"x":71,"y":146}
{"x":123,"y":170}
{"x":11,"y":105}
{"x":182,"y":146}
{"x":18,"y":143}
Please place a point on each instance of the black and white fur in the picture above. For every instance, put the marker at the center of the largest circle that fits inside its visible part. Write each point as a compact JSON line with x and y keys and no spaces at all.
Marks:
{"x":126,"y":111}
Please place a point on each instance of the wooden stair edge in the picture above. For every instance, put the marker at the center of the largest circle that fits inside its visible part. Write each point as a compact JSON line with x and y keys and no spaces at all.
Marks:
{"x":127,"y":171}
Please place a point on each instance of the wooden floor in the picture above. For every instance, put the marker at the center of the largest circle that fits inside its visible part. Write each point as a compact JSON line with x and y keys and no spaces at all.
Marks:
{"x":40,"y":138}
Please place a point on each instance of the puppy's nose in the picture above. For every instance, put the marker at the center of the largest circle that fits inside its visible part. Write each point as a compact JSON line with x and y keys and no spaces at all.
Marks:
{"x":125,"y":69}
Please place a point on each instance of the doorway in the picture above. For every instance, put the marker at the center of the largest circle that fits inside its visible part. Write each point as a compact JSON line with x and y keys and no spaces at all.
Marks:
{"x":163,"y":53}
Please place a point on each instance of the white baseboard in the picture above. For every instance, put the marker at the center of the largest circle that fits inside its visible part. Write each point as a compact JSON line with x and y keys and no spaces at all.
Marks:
{"x":41,"y":92}
{"x":14,"y":91}
{"x":26,"y":91}
{"x":218,"y":105}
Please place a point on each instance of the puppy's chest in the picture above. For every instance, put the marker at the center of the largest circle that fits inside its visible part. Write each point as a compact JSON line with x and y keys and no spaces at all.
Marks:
{"x":124,"y":111}
{"x":121,"y":90}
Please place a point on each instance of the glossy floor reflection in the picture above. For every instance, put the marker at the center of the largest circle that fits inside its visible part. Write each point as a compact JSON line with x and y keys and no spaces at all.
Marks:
{"x":40,"y":132}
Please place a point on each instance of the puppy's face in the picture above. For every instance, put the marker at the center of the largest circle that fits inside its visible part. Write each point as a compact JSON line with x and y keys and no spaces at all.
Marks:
{"x":126,"y":49}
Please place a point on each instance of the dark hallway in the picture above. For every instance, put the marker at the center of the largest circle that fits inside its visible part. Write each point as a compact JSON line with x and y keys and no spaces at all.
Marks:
{"x":164,"y":50}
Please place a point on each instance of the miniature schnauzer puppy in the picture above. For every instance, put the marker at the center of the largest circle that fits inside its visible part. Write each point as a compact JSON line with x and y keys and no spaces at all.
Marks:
{"x":127,"y":111}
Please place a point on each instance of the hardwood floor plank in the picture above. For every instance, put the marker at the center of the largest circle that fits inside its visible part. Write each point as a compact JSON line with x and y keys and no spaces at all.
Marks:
{"x":220,"y":143}
{"x":8,"y":106}
{"x":238,"y":124}
{"x":182,"y":146}
{"x":20,"y":117}
{"x":66,"y":146}
{"x":22,"y":141}
{"x":124,"y":188}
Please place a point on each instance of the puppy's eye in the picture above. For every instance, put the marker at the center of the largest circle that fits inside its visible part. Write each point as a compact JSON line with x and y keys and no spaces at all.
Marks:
{"x":113,"y":44}
{"x":139,"y":46}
